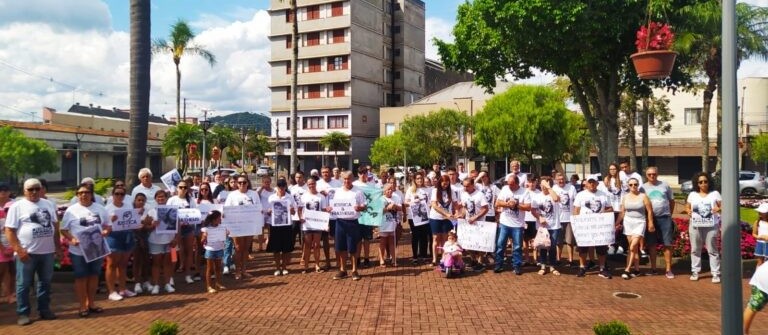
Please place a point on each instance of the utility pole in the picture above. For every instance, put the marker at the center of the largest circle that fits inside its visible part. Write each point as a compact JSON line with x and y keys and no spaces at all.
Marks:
{"x":277,"y":144}
{"x":184,"y":116}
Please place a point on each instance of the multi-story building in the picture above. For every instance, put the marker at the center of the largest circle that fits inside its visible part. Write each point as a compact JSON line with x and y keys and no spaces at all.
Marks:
{"x":354,"y":57}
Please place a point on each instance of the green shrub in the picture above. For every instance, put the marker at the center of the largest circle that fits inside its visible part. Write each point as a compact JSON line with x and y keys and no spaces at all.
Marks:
{"x":101,"y":187}
{"x":614,"y":327}
{"x":160,"y":327}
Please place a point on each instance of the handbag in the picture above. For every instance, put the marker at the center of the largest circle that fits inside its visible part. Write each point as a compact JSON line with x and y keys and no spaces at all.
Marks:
{"x":541,"y":241}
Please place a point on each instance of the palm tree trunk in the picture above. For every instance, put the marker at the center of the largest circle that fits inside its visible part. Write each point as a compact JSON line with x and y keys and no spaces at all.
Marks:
{"x":708,"y":93}
{"x":719,"y":107}
{"x":294,"y":86}
{"x":335,"y":158}
{"x":178,"y":93}
{"x":141,"y":60}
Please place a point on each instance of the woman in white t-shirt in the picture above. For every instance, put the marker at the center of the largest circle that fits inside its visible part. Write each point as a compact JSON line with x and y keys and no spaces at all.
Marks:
{"x":311,"y":201}
{"x":281,"y":206}
{"x":703,"y":205}
{"x":441,"y":213}
{"x":417,"y":203}
{"x":121,"y":243}
{"x":184,"y":199}
{"x":161,"y":245}
{"x":389,"y":224}
{"x":243,"y":196}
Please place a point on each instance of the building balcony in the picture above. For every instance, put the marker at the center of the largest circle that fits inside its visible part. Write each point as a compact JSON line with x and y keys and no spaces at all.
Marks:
{"x":312,"y":104}
{"x":280,"y":27}
{"x":323,"y":50}
{"x":313,"y":78}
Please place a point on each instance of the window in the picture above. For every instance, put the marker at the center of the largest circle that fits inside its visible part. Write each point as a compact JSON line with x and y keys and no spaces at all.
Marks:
{"x":397,"y":75}
{"x":337,"y":122}
{"x":393,"y":99}
{"x":396,"y":30}
{"x":288,"y":67}
{"x":288,"y":93}
{"x":337,"y":8}
{"x":289,"y":15}
{"x":639,"y":118}
{"x":313,"y":12}
{"x":312,"y":92}
{"x":313,"y":39}
{"x":338,"y":36}
{"x":312,"y":122}
{"x":337,"y":63}
{"x":397,"y":52}
{"x":314,"y":65}
{"x":288,"y":123}
{"x":338,"y":90}
{"x":389,"y":129}
{"x":692,"y":116}
{"x":288,"y":41}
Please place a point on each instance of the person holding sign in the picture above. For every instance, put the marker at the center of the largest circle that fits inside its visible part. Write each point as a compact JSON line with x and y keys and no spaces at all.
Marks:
{"x":567,"y":193}
{"x":327,"y":186}
{"x":389,"y":224}
{"x":121,"y":243}
{"x":514,"y":201}
{"x":592,"y":200}
{"x":311,"y":200}
{"x":441,"y":213}
{"x":347,"y":203}
{"x":243,"y":196}
{"x":184,"y":199}
{"x":160,"y":245}
{"x":78,"y":218}
{"x":213,"y":237}
{"x":417,"y":204}
{"x":281,"y":243}
{"x":474,"y":207}
{"x":703,"y":205}
{"x":636,"y":213}
{"x":546,"y":210}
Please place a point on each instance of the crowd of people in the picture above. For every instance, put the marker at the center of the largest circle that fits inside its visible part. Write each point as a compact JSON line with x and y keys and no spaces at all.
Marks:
{"x":430,"y":204}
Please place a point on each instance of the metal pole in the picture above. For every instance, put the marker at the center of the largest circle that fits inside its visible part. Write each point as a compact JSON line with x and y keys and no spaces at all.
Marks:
{"x":731,"y":308}
{"x":78,"y":137}
{"x":242,"y":149}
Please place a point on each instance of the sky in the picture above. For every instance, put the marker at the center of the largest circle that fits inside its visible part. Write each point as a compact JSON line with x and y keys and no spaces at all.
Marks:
{"x":55,"y":53}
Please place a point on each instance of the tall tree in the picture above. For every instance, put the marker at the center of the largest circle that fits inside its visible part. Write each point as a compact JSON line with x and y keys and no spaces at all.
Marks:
{"x":700,"y":38}
{"x":335,"y":141}
{"x":295,"y":86}
{"x":390,"y":150}
{"x":21,"y":155}
{"x":177,"y":140}
{"x":139,"y":83}
{"x":181,"y":43}
{"x":435,"y":136}
{"x":758,"y":148}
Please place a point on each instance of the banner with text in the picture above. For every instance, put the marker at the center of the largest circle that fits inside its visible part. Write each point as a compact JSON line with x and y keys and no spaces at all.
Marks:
{"x":373,"y":215}
{"x":188,"y":216}
{"x":480,"y":236}
{"x":127,"y":219}
{"x":316,"y":220}
{"x":243,"y":220}
{"x":595,"y":229}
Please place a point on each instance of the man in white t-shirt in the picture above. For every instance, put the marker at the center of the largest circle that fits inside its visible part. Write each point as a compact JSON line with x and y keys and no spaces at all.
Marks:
{"x":32,"y":232}
{"x":592,"y":200}
{"x":297,"y":190}
{"x":462,"y":171}
{"x":566,"y":193}
{"x":513,"y":202}
{"x":474,"y":207}
{"x":326,"y":185}
{"x":146,"y":187}
{"x":514,"y":169}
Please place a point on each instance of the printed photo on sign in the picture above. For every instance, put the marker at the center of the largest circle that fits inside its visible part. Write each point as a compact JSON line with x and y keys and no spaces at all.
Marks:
{"x":316,"y":220}
{"x":419,"y":213}
{"x":243,"y":220}
{"x":188,"y":216}
{"x":127,"y":219}
{"x":280,"y":215}
{"x":166,"y":216}
{"x":93,"y":245}
{"x":480,"y":236}
{"x":593,"y":229}
{"x":170,"y":179}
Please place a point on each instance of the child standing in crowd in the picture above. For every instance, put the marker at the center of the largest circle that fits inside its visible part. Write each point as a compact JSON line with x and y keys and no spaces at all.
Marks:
{"x":452,"y":253}
{"x":214,"y":250}
{"x":759,"y":297}
{"x":760,"y":232}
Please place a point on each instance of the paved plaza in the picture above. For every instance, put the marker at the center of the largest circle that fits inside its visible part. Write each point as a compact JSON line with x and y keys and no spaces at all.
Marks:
{"x":404,"y":300}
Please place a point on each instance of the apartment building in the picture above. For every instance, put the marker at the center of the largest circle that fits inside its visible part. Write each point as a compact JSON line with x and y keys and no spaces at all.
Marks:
{"x":354,"y":57}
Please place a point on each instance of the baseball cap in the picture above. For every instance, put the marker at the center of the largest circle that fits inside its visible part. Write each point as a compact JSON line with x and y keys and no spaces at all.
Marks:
{"x":4,"y":187}
{"x":763,"y":208}
{"x":592,"y":178}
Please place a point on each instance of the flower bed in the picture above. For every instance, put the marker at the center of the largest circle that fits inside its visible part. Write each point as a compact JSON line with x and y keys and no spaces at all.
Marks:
{"x":681,"y":246}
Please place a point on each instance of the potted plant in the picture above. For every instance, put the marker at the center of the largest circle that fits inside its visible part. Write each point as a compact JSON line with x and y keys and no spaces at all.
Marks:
{"x":654,"y":59}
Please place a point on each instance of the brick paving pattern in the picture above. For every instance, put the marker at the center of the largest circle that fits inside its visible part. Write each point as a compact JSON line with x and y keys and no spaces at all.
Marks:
{"x":404,"y":300}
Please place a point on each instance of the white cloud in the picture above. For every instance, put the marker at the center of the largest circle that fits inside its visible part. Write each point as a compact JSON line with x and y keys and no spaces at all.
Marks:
{"x":75,"y":15}
{"x":436,"y":28}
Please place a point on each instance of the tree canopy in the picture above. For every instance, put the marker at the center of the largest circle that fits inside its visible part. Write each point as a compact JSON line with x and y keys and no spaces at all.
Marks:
{"x":389,"y":150}
{"x":176,"y":141}
{"x":434,"y":137}
{"x":758,"y":148}
{"x":21,"y":155}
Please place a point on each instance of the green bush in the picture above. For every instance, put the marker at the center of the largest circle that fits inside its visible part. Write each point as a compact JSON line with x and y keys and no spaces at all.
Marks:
{"x":101,"y":187}
{"x":160,"y":327}
{"x":614,"y":327}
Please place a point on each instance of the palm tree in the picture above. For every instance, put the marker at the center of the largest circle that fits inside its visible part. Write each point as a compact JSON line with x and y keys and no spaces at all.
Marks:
{"x":335,"y":141}
{"x":178,"y":139}
{"x":701,"y":39}
{"x":141,"y":59}
{"x":179,"y":44}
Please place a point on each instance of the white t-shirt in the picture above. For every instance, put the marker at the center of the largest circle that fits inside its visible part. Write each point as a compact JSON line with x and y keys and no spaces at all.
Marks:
{"x":127,"y":199}
{"x":110,"y":208}
{"x":35,"y":224}
{"x":522,"y":177}
{"x":214,"y":246}
{"x":78,"y":218}
{"x":390,"y":222}
{"x":760,"y":278}
{"x":625,"y":179}
{"x":473,"y":204}
{"x":567,"y":195}
{"x":149,"y":192}
{"x":491,"y":192}
{"x":96,"y":199}
{"x":615,"y":193}
{"x":237,"y":198}
{"x":181,"y":202}
{"x":323,"y":186}
{"x":222,"y":197}
{"x":358,"y":183}
{"x":354,"y":197}
{"x":548,"y":209}
{"x":446,"y":204}
{"x":264,"y":198}
{"x":532,"y":195}
{"x":313,"y":202}
{"x":701,"y":208}
{"x":513,"y":217}
{"x":154,"y":237}
{"x":589,"y":202}
{"x":281,"y":208}
{"x":297,"y":191}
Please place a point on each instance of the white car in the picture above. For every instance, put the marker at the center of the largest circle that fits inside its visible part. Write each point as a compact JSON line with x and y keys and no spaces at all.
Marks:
{"x":264,"y":171}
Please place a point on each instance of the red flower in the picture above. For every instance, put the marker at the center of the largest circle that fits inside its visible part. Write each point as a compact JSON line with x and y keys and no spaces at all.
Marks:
{"x":654,"y":36}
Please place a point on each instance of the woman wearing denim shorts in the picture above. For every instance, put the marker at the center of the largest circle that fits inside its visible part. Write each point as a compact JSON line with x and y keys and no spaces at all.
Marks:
{"x":121,"y":243}
{"x":441,"y":213}
{"x":183,"y":199}
{"x":160,"y":246}
{"x":78,"y":218}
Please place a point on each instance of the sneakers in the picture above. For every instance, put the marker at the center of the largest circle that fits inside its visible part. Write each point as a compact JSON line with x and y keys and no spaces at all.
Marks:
{"x":716,"y":279}
{"x":340,"y":275}
{"x":355,"y":276}
{"x":604,"y":273}
{"x":478,"y":267}
{"x":189,"y":279}
{"x":611,"y":250}
{"x":197,"y":277}
{"x":47,"y":315}
{"x":670,"y":275}
{"x":582,"y":272}
{"x":498,"y":269}
{"x":694,"y":276}
{"x":211,"y":290}
{"x":285,"y":272}
{"x":127,"y":294}
{"x":643,"y":254}
{"x":225,"y":271}
{"x":147,"y":286}
{"x":518,"y":272}
{"x":169,"y":288}
{"x":155,"y":290}
{"x":278,"y":273}
{"x":114,"y":296}
{"x":620,"y":250}
{"x":366,"y":263}
{"x":23,"y":320}
{"x":591,"y":265}
{"x":635,"y":274}
{"x":626,"y":275}
{"x":171,"y":282}
{"x":137,"y":288}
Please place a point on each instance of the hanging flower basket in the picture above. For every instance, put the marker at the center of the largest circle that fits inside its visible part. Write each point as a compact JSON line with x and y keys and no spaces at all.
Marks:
{"x":654,"y":64}
{"x":654,"y":59}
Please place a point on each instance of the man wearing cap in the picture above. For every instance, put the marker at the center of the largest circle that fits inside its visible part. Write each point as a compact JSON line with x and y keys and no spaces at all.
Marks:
{"x":663,"y":203}
{"x":32,"y":232}
{"x":592,"y":200}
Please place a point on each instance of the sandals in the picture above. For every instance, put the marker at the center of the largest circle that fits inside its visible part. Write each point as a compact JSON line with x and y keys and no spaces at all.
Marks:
{"x":96,"y":310}
{"x":83,"y":314}
{"x":554,"y":272}
{"x":318,"y":269}
{"x":542,"y":272}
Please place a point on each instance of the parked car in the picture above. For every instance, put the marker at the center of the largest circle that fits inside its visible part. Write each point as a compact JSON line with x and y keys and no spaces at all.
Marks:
{"x":263,"y":171}
{"x":750,"y":183}
{"x":231,"y":172}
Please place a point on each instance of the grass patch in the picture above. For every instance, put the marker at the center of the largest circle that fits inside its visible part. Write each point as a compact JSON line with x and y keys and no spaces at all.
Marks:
{"x":748,"y":215}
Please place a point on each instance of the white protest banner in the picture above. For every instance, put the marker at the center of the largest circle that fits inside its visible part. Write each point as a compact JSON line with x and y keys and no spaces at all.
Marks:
{"x":206,"y":208}
{"x":343,"y":207}
{"x":216,"y":237}
{"x":166,"y":216}
{"x":480,"y":236}
{"x":170,"y":179}
{"x":93,"y":245}
{"x":127,"y":219}
{"x":594,"y":229}
{"x":419,"y":213}
{"x":243,"y":220}
{"x":188,"y":216}
{"x":316,"y":220}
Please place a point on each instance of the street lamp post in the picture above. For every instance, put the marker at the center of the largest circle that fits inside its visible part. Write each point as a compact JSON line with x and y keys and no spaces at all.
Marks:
{"x":325,"y":153}
{"x":205,"y":125}
{"x":78,"y":137}
{"x":243,"y":136}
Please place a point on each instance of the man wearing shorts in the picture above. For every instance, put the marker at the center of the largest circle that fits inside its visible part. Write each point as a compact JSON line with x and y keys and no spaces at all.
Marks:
{"x":592,"y":200}
{"x":663,"y":204}
{"x":567,"y":194}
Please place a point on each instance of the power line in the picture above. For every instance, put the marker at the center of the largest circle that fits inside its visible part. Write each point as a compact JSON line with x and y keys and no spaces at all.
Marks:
{"x":52,"y":80}
{"x":32,"y":114}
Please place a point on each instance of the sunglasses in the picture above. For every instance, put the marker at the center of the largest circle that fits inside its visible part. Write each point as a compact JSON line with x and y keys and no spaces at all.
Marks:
{"x":703,"y":182}
{"x":33,"y":189}
{"x":119,"y":193}
{"x":632,"y":184}
{"x":181,"y":187}
{"x":242,"y":182}
{"x":119,"y":185}
{"x":84,"y":192}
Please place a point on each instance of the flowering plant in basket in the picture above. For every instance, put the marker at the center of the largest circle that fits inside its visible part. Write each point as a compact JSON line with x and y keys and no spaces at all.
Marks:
{"x":654,"y":36}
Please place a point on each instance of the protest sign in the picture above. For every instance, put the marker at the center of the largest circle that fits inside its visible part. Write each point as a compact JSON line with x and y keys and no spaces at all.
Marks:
{"x":342,"y":207}
{"x":594,"y":229}
{"x":166,"y":216}
{"x":93,"y":245}
{"x":480,"y":236}
{"x":373,"y":214}
{"x":316,"y":220}
{"x":243,"y":220}
{"x":419,"y":213}
{"x":216,"y":237}
{"x":127,"y":219}
{"x":188,"y":216}
{"x":170,"y":179}
{"x":206,"y":208}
